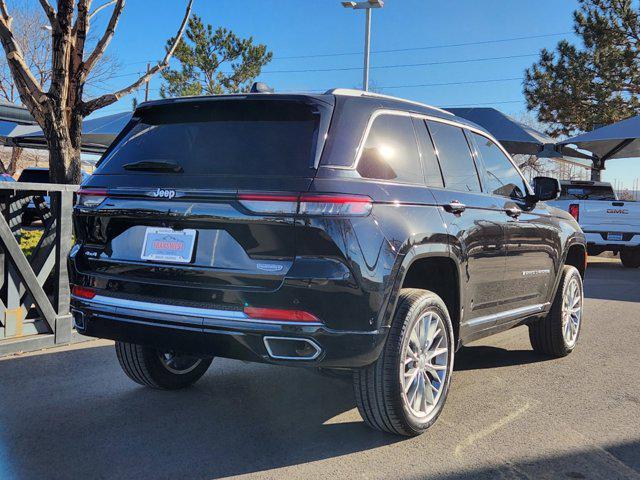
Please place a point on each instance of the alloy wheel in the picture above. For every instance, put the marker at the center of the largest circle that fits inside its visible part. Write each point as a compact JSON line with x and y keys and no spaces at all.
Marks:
{"x":571,"y":312}
{"x":425,"y":364}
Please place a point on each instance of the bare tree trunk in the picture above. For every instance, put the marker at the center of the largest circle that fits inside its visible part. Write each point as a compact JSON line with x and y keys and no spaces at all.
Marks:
{"x":64,"y":154}
{"x":59,"y":111}
{"x":16,"y":153}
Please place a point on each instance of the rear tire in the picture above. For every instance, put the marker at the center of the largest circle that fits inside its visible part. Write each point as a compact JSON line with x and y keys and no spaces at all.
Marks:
{"x":594,"y":251}
{"x":404,"y":391}
{"x":630,"y":257}
{"x":557,"y":334}
{"x":157,"y":369}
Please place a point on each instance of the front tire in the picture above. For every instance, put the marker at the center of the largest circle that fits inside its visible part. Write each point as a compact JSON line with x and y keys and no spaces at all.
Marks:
{"x":557,"y":334}
{"x":630,"y":257}
{"x":404,"y":391}
{"x":164,"y":370}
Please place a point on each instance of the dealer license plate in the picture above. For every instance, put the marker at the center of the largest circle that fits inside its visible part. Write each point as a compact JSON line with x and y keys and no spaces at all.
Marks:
{"x":168,"y":245}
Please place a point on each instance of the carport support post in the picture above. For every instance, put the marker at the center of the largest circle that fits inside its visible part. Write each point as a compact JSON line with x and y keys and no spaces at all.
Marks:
{"x":61,"y":301}
{"x":596,"y":169}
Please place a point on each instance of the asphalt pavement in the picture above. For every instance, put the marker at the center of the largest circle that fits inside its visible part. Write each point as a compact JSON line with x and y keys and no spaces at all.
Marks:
{"x":70,"y":413}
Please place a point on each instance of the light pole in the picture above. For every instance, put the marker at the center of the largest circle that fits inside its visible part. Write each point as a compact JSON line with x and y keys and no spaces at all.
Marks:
{"x":366,"y":6}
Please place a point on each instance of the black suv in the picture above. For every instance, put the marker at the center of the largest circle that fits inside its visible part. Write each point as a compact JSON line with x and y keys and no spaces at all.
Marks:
{"x":343,"y":231}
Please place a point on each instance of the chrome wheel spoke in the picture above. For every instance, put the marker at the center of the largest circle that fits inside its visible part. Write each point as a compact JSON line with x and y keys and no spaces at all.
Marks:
{"x":571,"y":312}
{"x":436,"y":353}
{"x":425,"y":364}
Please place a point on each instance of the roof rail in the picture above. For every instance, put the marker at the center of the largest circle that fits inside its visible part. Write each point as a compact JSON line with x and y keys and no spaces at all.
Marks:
{"x":352,"y":92}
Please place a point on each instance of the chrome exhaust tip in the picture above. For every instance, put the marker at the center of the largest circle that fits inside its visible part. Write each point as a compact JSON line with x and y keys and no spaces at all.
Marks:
{"x":289,"y":348}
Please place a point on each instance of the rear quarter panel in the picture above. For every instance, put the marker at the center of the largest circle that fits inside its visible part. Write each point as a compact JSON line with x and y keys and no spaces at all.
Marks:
{"x":403,"y":224}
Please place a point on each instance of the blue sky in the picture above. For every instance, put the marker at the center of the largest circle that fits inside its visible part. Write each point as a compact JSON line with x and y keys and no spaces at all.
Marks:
{"x":302,"y":28}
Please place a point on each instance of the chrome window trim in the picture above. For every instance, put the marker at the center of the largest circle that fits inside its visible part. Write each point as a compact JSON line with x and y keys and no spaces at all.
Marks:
{"x":431,"y":118}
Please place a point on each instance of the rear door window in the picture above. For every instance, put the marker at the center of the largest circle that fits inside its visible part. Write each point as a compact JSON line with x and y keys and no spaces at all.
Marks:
{"x":501,"y":177}
{"x":390,"y":151}
{"x":225,"y":137}
{"x":432,"y":174}
{"x":458,"y":167}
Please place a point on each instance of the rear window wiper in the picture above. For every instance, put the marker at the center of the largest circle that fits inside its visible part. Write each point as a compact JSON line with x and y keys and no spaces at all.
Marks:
{"x":154,"y":166}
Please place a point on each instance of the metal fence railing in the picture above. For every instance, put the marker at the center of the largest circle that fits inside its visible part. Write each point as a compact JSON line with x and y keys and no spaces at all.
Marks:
{"x":34,"y":290}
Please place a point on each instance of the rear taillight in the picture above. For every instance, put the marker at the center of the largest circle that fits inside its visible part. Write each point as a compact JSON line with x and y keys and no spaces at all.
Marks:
{"x":91,"y":197}
{"x":307,"y":204}
{"x":574,"y":210}
{"x":280,"y":315}
{"x":83,"y":292}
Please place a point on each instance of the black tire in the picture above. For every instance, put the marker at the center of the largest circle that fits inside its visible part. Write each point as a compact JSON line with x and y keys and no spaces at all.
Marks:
{"x":594,"y":251}
{"x":378,"y":388}
{"x":630,"y":257}
{"x":143,"y":365}
{"x":546,"y":335}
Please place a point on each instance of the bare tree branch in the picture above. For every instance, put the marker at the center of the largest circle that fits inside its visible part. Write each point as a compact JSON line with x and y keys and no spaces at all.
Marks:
{"x":48,"y":9}
{"x":101,"y":7}
{"x":79,"y":36}
{"x":110,"y":98}
{"x":5,"y":13}
{"x":103,"y":43}
{"x":30,"y":89}
{"x":60,"y":58}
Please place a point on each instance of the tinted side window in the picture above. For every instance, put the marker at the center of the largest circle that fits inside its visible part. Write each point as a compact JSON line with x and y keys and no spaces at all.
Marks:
{"x":432,"y":174}
{"x":390,"y":151}
{"x":501,"y":177}
{"x":458,"y":168}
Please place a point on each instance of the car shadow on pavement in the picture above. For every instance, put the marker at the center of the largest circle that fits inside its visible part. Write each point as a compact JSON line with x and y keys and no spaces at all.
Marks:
{"x":485,"y":356}
{"x":76,"y":415}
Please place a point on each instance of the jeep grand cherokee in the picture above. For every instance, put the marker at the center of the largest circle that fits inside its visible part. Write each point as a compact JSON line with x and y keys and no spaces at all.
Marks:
{"x":343,"y":231}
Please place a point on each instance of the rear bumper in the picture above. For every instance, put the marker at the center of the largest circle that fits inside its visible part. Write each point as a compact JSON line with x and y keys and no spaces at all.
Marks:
{"x":600,"y":239}
{"x":220,"y":333}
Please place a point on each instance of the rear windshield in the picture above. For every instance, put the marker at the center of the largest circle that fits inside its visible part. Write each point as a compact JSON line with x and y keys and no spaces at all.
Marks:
{"x":224,"y":137}
{"x":587,"y":192}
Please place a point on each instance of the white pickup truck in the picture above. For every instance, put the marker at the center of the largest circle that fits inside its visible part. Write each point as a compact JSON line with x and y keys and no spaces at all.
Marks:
{"x":609,"y":224}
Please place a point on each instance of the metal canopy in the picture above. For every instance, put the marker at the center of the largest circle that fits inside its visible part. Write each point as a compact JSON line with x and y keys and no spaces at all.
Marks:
{"x":10,"y":112}
{"x":516,"y":137}
{"x":97,"y":134}
{"x":618,"y":140}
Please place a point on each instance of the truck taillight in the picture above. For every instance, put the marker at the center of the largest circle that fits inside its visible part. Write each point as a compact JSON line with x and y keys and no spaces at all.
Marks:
{"x":91,"y":197}
{"x":574,"y":210}
{"x":315,"y":204}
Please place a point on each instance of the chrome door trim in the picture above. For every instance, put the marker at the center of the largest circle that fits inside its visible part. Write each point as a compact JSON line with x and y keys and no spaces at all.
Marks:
{"x":515,"y":313}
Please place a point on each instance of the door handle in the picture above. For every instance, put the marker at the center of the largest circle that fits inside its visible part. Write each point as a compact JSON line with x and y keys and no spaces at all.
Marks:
{"x":513,"y":212}
{"x":455,"y":207}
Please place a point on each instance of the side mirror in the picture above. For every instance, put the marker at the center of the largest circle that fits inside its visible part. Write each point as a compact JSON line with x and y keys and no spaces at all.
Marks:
{"x":546,"y":188}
